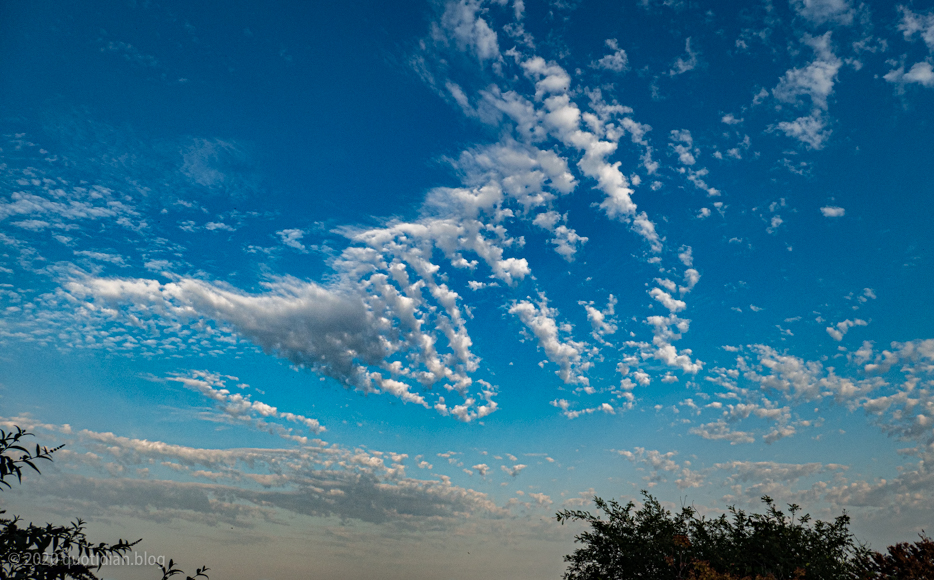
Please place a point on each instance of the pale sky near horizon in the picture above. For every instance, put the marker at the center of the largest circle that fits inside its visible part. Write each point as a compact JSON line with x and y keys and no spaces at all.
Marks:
{"x":345,"y":289}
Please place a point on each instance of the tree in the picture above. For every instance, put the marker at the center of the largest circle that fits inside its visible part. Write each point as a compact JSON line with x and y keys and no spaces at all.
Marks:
{"x":651,"y":543}
{"x":904,"y":561}
{"x":51,"y":552}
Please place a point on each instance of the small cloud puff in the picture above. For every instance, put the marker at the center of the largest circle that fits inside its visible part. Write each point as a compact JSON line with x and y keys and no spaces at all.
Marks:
{"x":292,"y":238}
{"x":514,"y":470}
{"x":921,"y":73}
{"x":683,"y":146}
{"x":824,"y":11}
{"x":616,"y":61}
{"x":832,"y":211}
{"x":843,"y":327}
{"x":685,"y":63}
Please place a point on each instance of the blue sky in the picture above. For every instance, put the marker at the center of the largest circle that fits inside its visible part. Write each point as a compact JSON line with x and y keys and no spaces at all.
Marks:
{"x":339,"y":288}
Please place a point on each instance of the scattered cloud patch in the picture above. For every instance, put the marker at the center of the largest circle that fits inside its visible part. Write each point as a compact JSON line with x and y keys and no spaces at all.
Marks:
{"x":841,"y":328}
{"x":616,"y":61}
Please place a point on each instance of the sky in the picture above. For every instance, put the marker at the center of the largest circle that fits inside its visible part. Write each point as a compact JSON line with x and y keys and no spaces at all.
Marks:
{"x":366,"y":289}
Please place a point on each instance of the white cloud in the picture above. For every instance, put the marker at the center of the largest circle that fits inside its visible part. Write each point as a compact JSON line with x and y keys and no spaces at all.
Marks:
{"x":292,"y":238}
{"x":662,"y":465}
{"x":216,"y":165}
{"x":810,"y":129}
{"x":550,"y":78}
{"x":391,"y":282}
{"x":685,"y":63}
{"x":824,"y":11}
{"x":541,"y":499}
{"x":774,"y":223}
{"x":58,"y":206}
{"x":463,"y":22}
{"x":566,"y":410}
{"x":816,"y":80}
{"x":241,"y":407}
{"x":518,"y":9}
{"x":665,"y":330}
{"x":696,"y":176}
{"x":683,"y":146}
{"x":669,"y":355}
{"x":796,"y":380}
{"x":567,"y":242}
{"x":616,"y":61}
{"x":569,"y":355}
{"x":102,"y":257}
{"x":921,"y":24}
{"x":921,"y":73}
{"x":906,"y":411}
{"x":303,"y":322}
{"x":691,"y":278}
{"x":317,"y":479}
{"x":552,"y":113}
{"x":832,"y":211}
{"x":332,"y":331}
{"x":753,"y":479}
{"x":218,"y":226}
{"x":672,"y":304}
{"x":548,"y":220}
{"x":602,"y":322}
{"x":562,"y":118}
{"x":533,"y":177}
{"x":720,"y":431}
{"x":512,"y":471}
{"x":34,"y":225}
{"x":842,"y":327}
{"x":686,"y":256}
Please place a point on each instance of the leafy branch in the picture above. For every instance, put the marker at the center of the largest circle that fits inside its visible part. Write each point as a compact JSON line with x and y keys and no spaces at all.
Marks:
{"x":9,"y":465}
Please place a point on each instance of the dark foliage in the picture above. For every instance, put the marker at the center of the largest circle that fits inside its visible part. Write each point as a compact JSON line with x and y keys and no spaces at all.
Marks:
{"x":10,"y":465}
{"x":651,"y":543}
{"x":50,"y":552}
{"x":904,"y":561}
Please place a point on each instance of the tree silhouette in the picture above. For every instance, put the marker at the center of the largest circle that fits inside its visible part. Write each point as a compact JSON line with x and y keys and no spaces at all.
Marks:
{"x":51,"y":552}
{"x":651,"y":543}
{"x":905,"y":561}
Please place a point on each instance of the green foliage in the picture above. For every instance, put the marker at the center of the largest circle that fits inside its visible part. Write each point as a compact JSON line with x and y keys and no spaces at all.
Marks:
{"x":50,"y":552}
{"x":651,"y":543}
